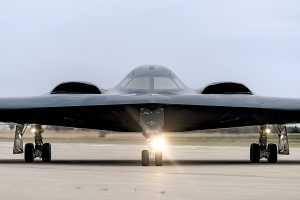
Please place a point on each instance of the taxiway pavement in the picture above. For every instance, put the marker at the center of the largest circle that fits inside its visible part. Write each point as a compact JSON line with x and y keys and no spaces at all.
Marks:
{"x":86,"y":171}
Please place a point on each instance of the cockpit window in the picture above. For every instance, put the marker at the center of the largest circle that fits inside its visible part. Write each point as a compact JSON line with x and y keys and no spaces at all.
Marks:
{"x":151,"y":83}
{"x":164,"y":83}
{"x":140,"y":83}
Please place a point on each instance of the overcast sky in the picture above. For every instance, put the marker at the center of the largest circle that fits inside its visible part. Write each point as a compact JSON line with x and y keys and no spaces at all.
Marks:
{"x":256,"y":42}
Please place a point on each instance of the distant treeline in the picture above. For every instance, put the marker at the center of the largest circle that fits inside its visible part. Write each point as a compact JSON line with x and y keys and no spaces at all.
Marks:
{"x":293,"y":129}
{"x":248,"y":129}
{"x":251,"y":129}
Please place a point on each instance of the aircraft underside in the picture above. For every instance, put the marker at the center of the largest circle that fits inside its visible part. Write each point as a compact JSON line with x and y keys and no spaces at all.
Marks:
{"x":126,"y":118}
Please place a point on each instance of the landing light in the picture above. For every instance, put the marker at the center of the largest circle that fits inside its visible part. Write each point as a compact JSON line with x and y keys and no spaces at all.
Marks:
{"x":159,"y":144}
{"x":33,"y":130}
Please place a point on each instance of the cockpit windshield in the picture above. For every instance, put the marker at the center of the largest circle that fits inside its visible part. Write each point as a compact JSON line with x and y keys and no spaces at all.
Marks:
{"x":163,"y":83}
{"x":140,"y":83}
{"x":152,"y":83}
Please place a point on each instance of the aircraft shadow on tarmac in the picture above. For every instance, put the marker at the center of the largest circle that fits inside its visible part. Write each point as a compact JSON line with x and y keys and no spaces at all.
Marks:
{"x":138,"y":162}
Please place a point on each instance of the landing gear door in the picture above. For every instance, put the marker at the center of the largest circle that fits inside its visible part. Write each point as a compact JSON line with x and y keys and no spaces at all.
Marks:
{"x":152,"y":119}
{"x":18,"y":142}
{"x":283,"y":142}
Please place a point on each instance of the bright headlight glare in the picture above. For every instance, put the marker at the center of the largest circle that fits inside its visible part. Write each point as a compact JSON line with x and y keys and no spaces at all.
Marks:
{"x":268,"y":130}
{"x":159,"y":144}
{"x":33,"y":130}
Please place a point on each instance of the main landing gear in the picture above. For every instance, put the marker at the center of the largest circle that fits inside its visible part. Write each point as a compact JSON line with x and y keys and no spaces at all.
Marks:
{"x":32,"y":151}
{"x":39,"y":150}
{"x":263,"y":150}
{"x":256,"y":153}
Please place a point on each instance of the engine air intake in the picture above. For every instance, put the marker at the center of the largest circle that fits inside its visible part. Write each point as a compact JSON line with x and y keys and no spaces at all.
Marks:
{"x":76,"y":88}
{"x":227,"y":88}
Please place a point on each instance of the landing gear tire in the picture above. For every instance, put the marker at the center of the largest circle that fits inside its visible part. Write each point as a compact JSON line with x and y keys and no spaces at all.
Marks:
{"x":46,"y":153}
{"x":158,"y":158}
{"x":28,"y":155}
{"x":272,"y":153}
{"x":254,"y":153}
{"x":145,"y":158}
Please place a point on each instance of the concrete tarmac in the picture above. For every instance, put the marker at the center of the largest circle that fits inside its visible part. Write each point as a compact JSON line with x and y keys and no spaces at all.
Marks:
{"x":85,"y":171}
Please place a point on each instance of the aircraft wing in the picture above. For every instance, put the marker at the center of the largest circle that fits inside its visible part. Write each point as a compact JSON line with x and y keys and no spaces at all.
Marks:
{"x":119,"y":112}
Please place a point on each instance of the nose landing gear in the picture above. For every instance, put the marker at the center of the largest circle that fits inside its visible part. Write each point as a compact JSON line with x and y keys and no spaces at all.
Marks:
{"x":148,"y":155}
{"x":152,"y":121}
